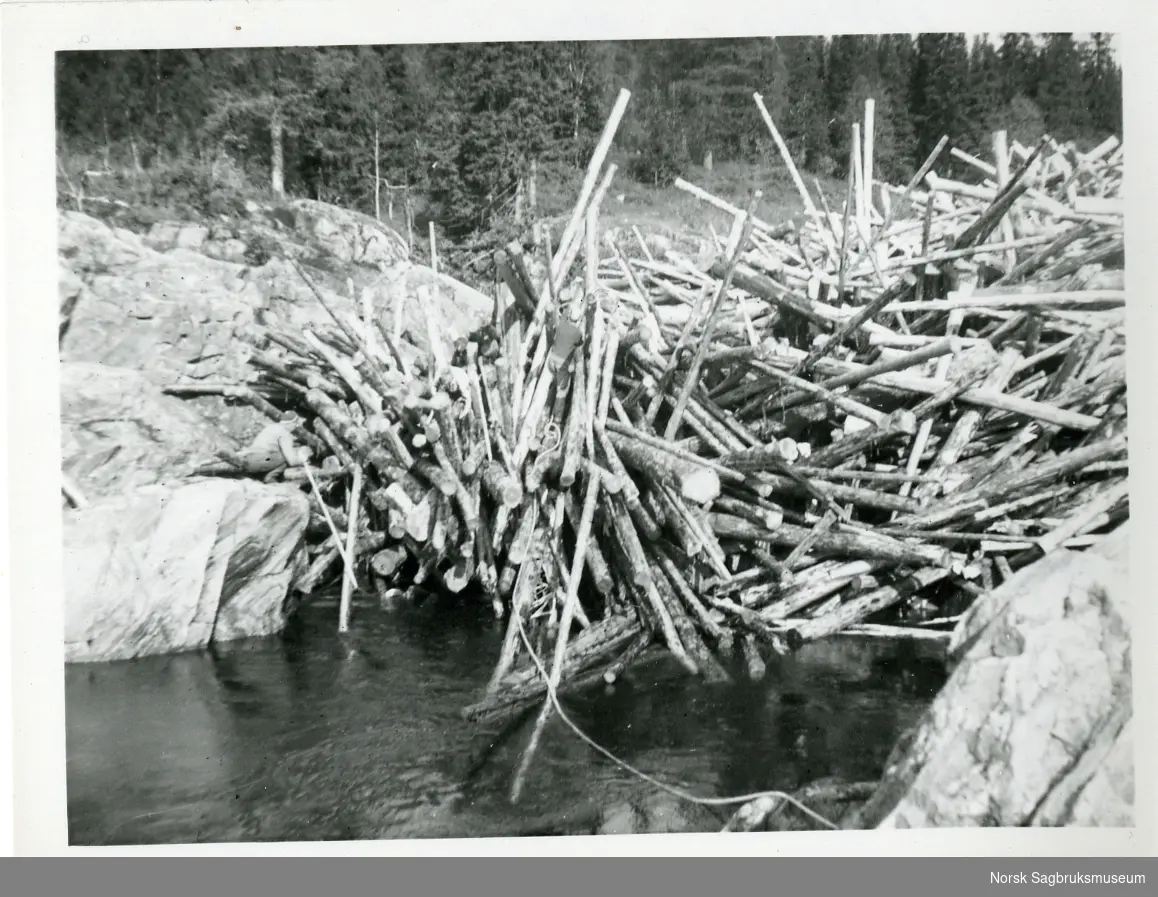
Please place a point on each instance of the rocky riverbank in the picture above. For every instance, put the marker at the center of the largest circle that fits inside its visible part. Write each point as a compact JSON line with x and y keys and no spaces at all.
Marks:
{"x":160,"y":558}
{"x":1034,"y":726}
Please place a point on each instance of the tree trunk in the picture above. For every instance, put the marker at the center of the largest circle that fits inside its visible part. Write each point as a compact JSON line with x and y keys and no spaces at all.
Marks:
{"x":533,"y":202}
{"x":277,"y":157}
{"x":137,"y":169}
{"x":157,"y":130}
{"x":377,"y":176}
{"x":409,"y":222}
{"x":108,"y":146}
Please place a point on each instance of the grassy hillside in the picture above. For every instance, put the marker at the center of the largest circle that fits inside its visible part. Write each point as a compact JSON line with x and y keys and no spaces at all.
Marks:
{"x":195,"y":190}
{"x":673,"y":212}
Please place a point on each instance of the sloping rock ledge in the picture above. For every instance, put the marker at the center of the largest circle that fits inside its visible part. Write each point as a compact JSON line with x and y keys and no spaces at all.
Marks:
{"x":172,"y":568}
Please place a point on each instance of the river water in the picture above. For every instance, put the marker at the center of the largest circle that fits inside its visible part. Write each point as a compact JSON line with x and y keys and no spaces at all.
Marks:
{"x":311,"y":736}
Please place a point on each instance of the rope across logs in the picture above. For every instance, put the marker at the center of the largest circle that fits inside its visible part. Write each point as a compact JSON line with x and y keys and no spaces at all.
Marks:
{"x":809,"y":445}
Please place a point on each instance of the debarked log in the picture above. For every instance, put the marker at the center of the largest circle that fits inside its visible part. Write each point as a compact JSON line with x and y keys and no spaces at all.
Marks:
{"x":841,"y":543}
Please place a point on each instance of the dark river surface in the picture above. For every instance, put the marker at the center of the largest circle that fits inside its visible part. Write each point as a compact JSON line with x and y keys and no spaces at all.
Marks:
{"x":311,"y":736}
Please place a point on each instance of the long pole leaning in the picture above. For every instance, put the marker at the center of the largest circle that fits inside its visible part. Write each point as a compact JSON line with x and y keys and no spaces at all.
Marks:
{"x":577,"y":213}
{"x":570,"y":602}
{"x":351,"y":549}
{"x":693,"y":375}
{"x":805,"y":196}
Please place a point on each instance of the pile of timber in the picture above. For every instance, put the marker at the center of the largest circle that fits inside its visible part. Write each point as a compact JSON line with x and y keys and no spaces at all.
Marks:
{"x":891,"y":407}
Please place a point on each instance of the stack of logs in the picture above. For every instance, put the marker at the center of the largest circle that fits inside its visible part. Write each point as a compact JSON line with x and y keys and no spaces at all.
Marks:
{"x":894,"y":406}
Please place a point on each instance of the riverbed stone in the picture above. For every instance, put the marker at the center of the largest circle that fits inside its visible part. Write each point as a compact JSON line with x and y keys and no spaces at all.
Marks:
{"x":657,"y":813}
{"x":1034,"y":725}
{"x":166,"y":569}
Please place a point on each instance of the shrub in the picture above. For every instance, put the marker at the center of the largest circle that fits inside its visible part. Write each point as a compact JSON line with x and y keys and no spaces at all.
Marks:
{"x":658,"y":162}
{"x":1022,"y":119}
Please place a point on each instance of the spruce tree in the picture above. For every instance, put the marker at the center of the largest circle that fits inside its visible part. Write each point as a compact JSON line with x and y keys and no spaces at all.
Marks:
{"x":940,"y":90}
{"x":985,"y":93}
{"x":849,"y":57}
{"x":362,"y":95}
{"x":805,"y":126}
{"x":892,"y":143}
{"x":1021,"y":119}
{"x":895,"y":59}
{"x":1103,"y":85}
{"x":264,"y":98}
{"x":1061,"y":89}
{"x":1019,"y":65}
{"x":713,"y":90}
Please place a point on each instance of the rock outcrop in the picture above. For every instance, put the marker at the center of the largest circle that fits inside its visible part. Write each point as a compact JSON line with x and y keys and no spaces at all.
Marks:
{"x":460,"y":310}
{"x":176,"y":304}
{"x":174,"y":316}
{"x":1034,"y":726}
{"x":302,"y":229}
{"x":170,"y":568}
{"x":158,"y":561}
{"x":120,"y":432}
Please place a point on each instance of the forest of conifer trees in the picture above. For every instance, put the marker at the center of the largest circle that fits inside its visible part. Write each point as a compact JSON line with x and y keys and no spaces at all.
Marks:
{"x":460,"y":123}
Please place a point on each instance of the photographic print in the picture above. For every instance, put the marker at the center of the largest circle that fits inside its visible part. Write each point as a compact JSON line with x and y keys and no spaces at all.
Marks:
{"x":579,"y":438}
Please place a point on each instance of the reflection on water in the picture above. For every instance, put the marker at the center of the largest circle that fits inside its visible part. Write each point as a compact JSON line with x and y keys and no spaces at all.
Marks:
{"x":313,"y":737}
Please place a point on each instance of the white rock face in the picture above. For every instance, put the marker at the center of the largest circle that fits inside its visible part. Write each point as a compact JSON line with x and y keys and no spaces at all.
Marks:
{"x":1034,"y":725}
{"x":168,"y":569}
{"x":179,"y":305}
{"x":120,"y":432}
